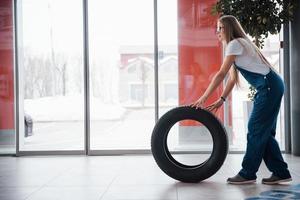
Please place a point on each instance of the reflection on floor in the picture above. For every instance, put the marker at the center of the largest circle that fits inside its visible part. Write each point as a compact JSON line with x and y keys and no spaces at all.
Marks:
{"x":292,"y":192}
{"x":128,"y":177}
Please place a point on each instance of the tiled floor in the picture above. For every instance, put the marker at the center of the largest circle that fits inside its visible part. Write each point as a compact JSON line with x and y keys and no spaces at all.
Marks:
{"x":126,"y":178}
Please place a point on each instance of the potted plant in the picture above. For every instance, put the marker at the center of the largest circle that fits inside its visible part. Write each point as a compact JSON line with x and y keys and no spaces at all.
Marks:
{"x":259,"y":19}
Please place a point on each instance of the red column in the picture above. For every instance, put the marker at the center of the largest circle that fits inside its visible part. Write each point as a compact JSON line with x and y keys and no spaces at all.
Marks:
{"x":6,"y":66}
{"x":200,"y":52}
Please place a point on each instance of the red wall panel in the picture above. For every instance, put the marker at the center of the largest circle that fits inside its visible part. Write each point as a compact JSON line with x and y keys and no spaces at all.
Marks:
{"x":6,"y":66}
{"x":200,"y":52}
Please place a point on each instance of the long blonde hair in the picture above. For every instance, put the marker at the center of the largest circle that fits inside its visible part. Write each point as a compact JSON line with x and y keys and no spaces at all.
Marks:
{"x":234,"y":30}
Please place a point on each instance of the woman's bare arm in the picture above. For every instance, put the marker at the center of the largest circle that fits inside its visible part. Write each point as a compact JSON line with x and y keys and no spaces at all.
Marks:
{"x":217,"y":79}
{"x":229,"y":85}
{"x":220,"y":75}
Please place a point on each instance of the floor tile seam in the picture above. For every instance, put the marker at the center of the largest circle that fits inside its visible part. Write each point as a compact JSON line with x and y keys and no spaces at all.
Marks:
{"x":44,"y":185}
{"x":109,"y":185}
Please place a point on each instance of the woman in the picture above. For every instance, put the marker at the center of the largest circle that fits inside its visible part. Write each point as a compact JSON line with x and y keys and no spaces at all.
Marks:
{"x":241,"y":55}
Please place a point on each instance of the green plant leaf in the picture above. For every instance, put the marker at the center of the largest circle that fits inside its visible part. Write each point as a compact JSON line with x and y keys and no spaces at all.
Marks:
{"x":259,"y":17}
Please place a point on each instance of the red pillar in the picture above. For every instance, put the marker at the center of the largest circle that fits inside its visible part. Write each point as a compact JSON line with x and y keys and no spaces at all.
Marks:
{"x":200,"y":52}
{"x":6,"y":66}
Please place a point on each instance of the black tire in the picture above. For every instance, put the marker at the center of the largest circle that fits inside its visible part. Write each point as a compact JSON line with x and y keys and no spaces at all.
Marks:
{"x":172,"y":167}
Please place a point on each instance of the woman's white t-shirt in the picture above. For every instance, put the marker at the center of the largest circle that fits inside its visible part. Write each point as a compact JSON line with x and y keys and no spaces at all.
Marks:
{"x":246,"y":56}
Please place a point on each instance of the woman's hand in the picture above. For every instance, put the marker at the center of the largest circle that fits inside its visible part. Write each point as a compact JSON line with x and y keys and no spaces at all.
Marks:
{"x":215,"y":106}
{"x":199,"y":103}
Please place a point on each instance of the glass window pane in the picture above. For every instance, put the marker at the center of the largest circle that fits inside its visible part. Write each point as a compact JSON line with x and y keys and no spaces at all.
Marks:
{"x":51,"y":74}
{"x":121,"y":74}
{"x":185,"y":74}
{"x":168,"y":84}
{"x":189,"y":56}
{"x":243,"y":106}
